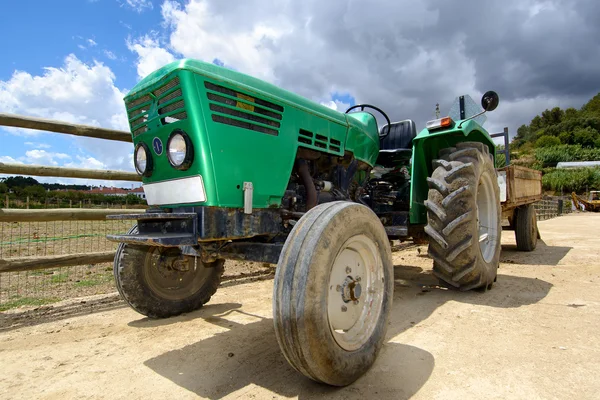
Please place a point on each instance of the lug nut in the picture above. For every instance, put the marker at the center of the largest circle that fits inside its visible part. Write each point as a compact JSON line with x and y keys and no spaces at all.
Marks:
{"x":348,"y":270}
{"x":358,"y":278}
{"x":338,"y":288}
{"x":355,"y":302}
{"x":344,"y":309}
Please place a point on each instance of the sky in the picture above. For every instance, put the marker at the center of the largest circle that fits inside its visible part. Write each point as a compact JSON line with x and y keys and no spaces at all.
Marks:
{"x":75,"y":60}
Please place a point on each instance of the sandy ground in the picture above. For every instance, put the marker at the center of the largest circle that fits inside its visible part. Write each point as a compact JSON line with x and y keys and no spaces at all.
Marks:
{"x":534,"y":335}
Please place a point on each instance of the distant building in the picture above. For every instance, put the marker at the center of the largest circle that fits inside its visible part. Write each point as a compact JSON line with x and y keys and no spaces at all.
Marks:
{"x":108,"y":191}
{"x":578,"y":164}
{"x":139,"y":192}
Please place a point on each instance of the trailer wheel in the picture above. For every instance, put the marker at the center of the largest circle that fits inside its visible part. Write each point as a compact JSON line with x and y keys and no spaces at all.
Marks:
{"x":333,"y":292}
{"x":463,"y":217}
{"x":526,"y":230}
{"x":160,"y":282}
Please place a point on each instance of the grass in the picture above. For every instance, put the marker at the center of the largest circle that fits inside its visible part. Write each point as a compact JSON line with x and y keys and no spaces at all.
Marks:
{"x":59,"y":278}
{"x":87,"y":283}
{"x":27,"y":301}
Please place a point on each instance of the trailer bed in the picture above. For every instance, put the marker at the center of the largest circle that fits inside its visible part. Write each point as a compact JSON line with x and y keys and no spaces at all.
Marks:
{"x":519,"y":186}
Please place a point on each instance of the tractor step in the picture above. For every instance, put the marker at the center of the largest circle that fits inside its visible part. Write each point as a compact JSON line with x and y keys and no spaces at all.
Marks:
{"x":152,"y":215}
{"x":156,"y":239}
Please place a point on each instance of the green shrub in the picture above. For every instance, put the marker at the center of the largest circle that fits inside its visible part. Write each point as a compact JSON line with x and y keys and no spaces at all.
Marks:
{"x":572,"y":180}
{"x":547,"y":141}
{"x":550,"y":156}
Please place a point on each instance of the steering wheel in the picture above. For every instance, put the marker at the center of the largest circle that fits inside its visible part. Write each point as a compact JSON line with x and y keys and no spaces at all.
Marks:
{"x":362,"y":108}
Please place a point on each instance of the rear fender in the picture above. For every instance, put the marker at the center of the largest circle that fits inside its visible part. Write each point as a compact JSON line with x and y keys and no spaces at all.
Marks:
{"x":426,"y":147}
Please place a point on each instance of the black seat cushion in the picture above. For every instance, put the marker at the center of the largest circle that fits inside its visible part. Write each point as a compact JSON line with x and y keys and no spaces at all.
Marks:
{"x":400,"y":136}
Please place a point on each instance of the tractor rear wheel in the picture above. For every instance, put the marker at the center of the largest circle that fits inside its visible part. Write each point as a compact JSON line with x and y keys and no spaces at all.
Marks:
{"x":463,"y":217}
{"x":333,"y":292}
{"x":161,"y":282}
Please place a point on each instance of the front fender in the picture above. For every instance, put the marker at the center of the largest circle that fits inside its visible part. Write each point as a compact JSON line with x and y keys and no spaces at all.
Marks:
{"x":426,"y":147}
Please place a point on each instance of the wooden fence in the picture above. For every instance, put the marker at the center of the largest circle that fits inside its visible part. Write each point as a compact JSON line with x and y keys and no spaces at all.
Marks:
{"x":30,"y":263}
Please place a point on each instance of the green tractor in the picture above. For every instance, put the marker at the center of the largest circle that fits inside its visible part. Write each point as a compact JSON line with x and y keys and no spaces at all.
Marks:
{"x":236,"y":168}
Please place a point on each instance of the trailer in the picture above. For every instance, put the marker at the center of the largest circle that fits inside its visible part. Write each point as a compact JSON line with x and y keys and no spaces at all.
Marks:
{"x":520,"y":188}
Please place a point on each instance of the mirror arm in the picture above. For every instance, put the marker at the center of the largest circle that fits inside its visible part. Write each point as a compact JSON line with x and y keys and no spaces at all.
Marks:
{"x":474,"y":116}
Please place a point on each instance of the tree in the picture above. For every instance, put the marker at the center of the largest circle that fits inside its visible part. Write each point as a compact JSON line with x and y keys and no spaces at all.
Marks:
{"x":586,"y":137}
{"x":547,"y":141}
{"x":552,"y":117}
{"x":3,"y":187}
{"x":37,"y":192}
{"x":20,"y":181}
{"x":570,"y":113}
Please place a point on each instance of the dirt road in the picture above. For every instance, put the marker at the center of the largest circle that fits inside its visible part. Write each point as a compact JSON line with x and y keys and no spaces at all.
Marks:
{"x":534,"y":335}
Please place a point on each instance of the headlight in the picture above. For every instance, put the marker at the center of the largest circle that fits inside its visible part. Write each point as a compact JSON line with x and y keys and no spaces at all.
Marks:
{"x":142,"y":159}
{"x":180,"y":150}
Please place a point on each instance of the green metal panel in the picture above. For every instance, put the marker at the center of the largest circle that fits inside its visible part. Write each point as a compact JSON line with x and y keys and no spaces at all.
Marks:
{"x":426,"y":147}
{"x":363,"y":137}
{"x":242,"y":129}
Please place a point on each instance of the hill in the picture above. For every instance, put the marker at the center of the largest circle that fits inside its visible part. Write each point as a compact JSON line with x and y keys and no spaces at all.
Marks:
{"x":561,"y":135}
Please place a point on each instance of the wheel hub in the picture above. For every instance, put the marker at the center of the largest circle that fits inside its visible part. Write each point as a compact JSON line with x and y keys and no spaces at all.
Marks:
{"x":351,"y":289}
{"x":172,"y":275}
{"x":356,"y":292}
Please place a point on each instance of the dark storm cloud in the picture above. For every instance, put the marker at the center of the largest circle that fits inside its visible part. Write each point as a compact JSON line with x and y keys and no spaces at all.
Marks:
{"x":406,"y":56}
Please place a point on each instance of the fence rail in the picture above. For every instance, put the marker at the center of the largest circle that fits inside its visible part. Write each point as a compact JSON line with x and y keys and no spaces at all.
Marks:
{"x":35,"y":244}
{"x":64,"y":172}
{"x":21,"y":121}
{"x":60,"y":214}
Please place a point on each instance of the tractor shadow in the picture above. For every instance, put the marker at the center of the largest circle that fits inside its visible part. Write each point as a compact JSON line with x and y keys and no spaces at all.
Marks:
{"x":245,"y":355}
{"x":542,"y":255}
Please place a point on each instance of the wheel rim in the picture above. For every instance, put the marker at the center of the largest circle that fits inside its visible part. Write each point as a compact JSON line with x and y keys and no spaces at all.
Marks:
{"x":173,"y":276}
{"x":487,"y":217}
{"x":356,"y":290}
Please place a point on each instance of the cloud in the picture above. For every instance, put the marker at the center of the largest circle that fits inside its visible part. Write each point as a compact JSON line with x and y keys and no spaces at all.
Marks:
{"x":91,"y":42}
{"x":76,"y":92}
{"x":109,"y":54}
{"x":138,"y":6}
{"x":150,"y":55}
{"x":38,"y":145}
{"x":8,"y":159}
{"x":43,"y":157}
{"x":400,"y":55}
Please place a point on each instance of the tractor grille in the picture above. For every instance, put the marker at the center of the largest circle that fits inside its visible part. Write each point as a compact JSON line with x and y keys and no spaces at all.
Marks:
{"x":170,"y":103}
{"x":318,"y":142}
{"x":244,"y":111}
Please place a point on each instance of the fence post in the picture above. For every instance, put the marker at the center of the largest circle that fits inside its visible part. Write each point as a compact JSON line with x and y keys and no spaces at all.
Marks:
{"x":28,"y":202}
{"x":80,"y":204}
{"x":6,"y":202}
{"x":560,"y":206}
{"x":70,"y":203}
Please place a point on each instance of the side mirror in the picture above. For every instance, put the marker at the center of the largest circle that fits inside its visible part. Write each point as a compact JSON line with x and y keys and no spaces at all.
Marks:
{"x":490,"y":101}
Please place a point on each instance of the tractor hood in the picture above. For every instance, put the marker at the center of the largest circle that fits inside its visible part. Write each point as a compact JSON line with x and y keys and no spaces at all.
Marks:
{"x":257,"y":86}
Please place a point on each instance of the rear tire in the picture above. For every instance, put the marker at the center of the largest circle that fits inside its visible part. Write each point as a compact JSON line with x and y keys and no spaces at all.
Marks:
{"x":463,"y":217}
{"x":333,"y":292}
{"x":526,"y":230}
{"x":160,"y":282}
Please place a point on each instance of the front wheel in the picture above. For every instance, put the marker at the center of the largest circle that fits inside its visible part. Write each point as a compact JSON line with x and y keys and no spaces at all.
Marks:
{"x":333,"y":292}
{"x":463,"y":217}
{"x":160,"y":282}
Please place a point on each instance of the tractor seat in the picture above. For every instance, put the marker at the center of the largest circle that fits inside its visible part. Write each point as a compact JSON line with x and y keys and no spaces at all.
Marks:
{"x":396,"y":146}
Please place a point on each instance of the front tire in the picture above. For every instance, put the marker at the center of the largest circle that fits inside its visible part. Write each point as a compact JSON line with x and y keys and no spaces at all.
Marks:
{"x":160,"y":282}
{"x":333,"y":292}
{"x":463,"y":215}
